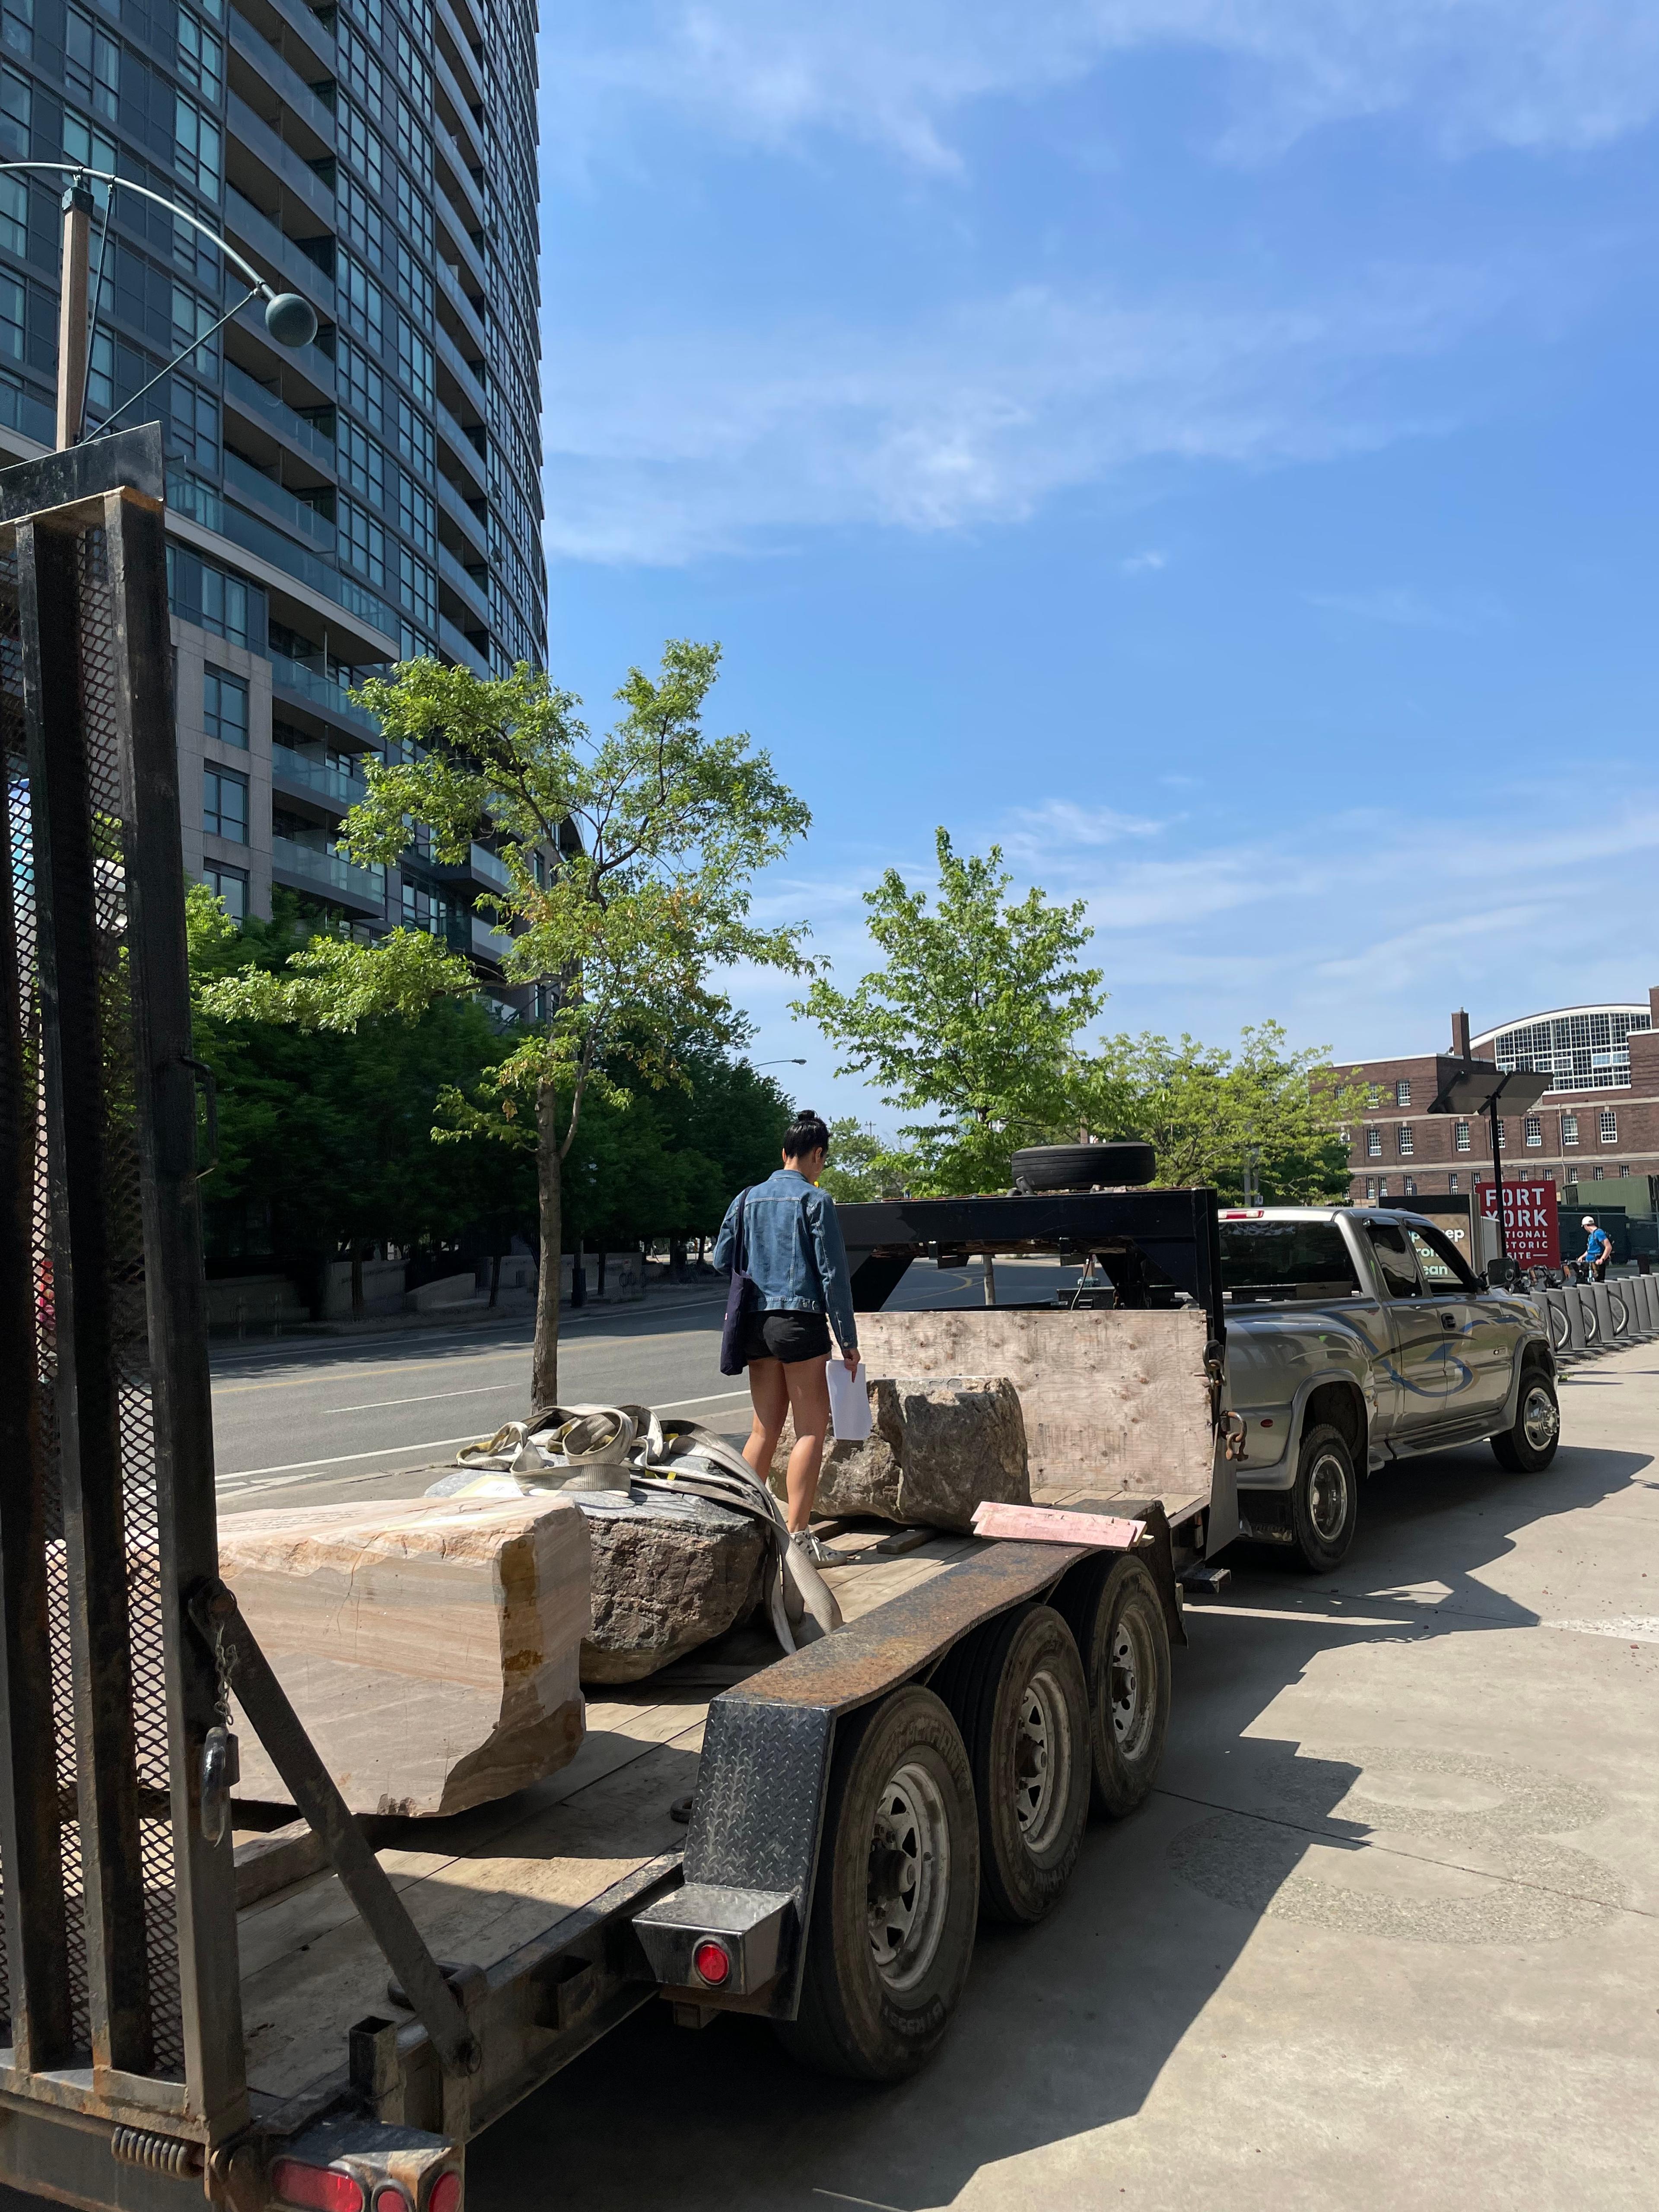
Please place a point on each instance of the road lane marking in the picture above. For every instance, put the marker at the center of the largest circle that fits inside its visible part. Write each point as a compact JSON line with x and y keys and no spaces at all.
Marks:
{"x":373,"y":1405}
{"x":438,"y":1444}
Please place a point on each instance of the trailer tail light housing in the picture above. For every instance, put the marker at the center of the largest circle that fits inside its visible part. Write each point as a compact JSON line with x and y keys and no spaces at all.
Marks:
{"x":711,"y":1962}
{"x":445,"y":2195}
{"x":319,"y":2188}
{"x":388,"y":2197}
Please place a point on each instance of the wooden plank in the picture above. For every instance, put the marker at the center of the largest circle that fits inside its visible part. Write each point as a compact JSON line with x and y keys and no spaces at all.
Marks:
{"x":1050,"y":1525}
{"x":1118,"y":1399}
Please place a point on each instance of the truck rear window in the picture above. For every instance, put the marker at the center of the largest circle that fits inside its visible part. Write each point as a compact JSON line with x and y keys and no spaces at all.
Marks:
{"x":1286,"y":1260}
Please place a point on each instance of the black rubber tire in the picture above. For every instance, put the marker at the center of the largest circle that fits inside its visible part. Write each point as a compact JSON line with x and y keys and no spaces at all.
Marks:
{"x":1077,"y":1167}
{"x":1324,"y":1458}
{"x":1619,"y":1311}
{"x":1515,"y":1450}
{"x":853,"y":2020}
{"x":1117,"y":1617}
{"x":1560,"y":1328}
{"x":1022,"y":1876}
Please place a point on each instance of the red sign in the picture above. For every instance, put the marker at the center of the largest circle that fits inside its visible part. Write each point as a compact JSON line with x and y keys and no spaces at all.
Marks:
{"x":1531,"y":1228}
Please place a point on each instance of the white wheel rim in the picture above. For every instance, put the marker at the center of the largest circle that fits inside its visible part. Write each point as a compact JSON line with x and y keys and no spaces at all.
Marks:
{"x":909,"y":1879}
{"x":1130,"y":1683}
{"x":1042,"y":1760}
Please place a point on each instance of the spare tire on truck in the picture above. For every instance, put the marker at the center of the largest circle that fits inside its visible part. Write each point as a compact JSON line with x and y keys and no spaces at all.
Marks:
{"x":1077,"y":1167}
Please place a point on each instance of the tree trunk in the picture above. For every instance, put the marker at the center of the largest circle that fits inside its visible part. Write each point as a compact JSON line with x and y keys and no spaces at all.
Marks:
{"x":550,"y":1174}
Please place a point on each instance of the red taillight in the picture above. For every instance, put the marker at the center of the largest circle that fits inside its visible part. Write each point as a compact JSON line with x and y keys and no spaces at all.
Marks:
{"x":388,"y":2197}
{"x":320,"y":2188}
{"x":446,"y":2194}
{"x":712,"y":1962}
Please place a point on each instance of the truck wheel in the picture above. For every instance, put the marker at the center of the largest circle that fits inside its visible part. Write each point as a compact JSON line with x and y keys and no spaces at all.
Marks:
{"x":1530,"y":1445}
{"x":1077,"y":1166}
{"x":1021,"y":1697}
{"x":1117,"y":1617}
{"x":1324,"y":1500}
{"x":890,"y":1934}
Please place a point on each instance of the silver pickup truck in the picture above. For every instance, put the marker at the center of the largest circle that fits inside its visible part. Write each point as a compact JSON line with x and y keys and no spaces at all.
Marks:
{"x":1356,"y":1336}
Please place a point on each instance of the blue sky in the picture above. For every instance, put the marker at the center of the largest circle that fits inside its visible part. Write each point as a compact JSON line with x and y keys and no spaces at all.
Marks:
{"x":1206,"y":446}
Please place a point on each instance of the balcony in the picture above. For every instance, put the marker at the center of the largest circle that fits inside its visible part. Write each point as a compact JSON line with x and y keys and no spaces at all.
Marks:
{"x":460,"y":648}
{"x":338,"y":879}
{"x":451,"y":503}
{"x":316,"y":777}
{"x":488,"y":942}
{"x":316,"y":689}
{"x":471,"y":593}
{"x":256,"y":537}
{"x":260,"y":143}
{"x":456,"y":442}
{"x":274,"y":73}
{"x":277,"y":417}
{"x":470,"y":379}
{"x":273,"y":245}
{"x":490,"y":868}
{"x":246,"y":482}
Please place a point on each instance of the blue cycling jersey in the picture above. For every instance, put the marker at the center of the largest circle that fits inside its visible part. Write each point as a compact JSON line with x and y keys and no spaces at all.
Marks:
{"x":1599,"y":1246}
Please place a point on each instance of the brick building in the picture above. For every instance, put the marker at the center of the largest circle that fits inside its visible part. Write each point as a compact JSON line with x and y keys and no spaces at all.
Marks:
{"x":1595,"y":1132}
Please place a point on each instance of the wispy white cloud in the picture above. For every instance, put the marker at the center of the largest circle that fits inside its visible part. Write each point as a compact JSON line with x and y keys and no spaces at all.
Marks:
{"x":1143,"y":564}
{"x":1470,"y":74}
{"x":667,"y":446}
{"x":1401,"y":608}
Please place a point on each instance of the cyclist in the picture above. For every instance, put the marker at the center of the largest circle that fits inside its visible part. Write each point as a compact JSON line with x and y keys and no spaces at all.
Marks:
{"x":1598,"y":1249}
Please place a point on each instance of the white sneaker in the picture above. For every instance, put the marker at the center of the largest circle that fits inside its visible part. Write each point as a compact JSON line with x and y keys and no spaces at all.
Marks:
{"x":815,"y":1548}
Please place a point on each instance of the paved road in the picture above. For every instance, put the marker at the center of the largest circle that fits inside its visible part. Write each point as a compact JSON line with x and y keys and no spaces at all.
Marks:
{"x":339,"y":1418}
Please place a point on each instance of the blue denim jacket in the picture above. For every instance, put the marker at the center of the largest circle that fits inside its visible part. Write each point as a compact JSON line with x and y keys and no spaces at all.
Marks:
{"x":796,"y":1259}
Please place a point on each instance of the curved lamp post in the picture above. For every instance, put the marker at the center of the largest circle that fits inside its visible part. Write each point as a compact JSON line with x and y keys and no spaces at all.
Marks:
{"x":290,"y":319}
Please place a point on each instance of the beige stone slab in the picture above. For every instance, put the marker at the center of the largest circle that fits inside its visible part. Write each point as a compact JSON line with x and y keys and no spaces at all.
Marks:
{"x":428,"y":1645}
{"x":1118,"y":1401}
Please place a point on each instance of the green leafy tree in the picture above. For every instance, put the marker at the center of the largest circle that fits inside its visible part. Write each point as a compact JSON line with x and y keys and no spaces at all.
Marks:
{"x":1209,"y":1112}
{"x":862,"y":1165}
{"x":630,"y":858}
{"x":970,"y":1020}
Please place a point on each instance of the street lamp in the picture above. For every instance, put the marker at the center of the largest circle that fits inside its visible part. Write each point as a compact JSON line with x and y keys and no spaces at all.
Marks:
{"x":777,"y":1063}
{"x":290,"y":319}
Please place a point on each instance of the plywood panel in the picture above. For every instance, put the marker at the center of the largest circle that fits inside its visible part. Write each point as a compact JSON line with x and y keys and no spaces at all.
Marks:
{"x":1117,"y":1401}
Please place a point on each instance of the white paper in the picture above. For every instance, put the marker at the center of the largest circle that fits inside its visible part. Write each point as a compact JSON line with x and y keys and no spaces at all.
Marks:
{"x":850,"y":1403}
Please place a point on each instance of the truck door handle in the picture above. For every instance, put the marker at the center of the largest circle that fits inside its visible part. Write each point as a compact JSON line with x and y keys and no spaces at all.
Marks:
{"x":1448,"y":1321}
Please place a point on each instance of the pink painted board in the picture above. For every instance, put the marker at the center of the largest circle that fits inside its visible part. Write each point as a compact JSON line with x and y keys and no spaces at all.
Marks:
{"x":1053,"y":1525}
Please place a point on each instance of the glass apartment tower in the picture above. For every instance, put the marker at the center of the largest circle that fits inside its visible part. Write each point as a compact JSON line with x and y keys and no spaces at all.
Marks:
{"x":371,"y":497}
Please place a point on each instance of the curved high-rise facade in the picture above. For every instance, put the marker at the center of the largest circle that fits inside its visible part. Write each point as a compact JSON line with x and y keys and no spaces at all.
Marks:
{"x":368,"y":498}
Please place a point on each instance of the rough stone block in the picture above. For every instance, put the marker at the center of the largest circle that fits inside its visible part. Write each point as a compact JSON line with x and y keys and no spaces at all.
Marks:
{"x":937,"y":1447}
{"x":429,"y":1645}
{"x":669,"y":1574}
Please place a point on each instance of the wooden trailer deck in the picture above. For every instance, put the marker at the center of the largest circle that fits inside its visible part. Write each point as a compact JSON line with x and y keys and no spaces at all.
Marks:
{"x":481,"y":1885}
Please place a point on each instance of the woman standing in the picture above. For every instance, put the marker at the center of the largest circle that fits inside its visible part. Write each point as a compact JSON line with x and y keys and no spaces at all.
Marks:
{"x":800,"y":1285}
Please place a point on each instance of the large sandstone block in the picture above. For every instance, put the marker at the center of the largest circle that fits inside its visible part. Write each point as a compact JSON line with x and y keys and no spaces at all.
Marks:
{"x":429,"y":1645}
{"x":938,"y":1446}
{"x":669,"y":1574}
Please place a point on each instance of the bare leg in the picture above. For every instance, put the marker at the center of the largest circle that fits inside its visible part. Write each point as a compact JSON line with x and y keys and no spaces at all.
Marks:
{"x":770,"y":1396}
{"x":808,"y":1385}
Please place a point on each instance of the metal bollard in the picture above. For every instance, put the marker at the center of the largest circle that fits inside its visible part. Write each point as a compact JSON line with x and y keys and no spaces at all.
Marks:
{"x":1571,"y":1297}
{"x":1606,"y":1336}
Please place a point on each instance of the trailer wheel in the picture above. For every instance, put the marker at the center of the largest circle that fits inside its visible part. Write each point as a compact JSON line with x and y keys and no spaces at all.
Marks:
{"x":1020,"y":1696}
{"x":1117,"y":1616}
{"x":890,"y":1935}
{"x":1324,"y":1500}
{"x":1530,"y":1445}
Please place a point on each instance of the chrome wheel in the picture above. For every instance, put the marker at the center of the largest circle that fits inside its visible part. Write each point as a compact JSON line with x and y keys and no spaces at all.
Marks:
{"x":1328,"y":1496}
{"x":1042,"y":1761}
{"x":1129,"y":1676}
{"x":909,"y":1875}
{"x":1540,"y":1418}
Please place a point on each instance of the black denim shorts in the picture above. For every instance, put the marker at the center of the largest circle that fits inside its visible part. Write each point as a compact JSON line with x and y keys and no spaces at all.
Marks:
{"x":786,"y":1336}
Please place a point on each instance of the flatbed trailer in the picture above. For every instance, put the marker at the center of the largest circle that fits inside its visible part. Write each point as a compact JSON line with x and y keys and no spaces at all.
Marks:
{"x":334,"y":2042}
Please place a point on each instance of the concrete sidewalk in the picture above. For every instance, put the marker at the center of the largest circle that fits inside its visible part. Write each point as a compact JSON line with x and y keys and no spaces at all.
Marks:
{"x":1387,"y":1934}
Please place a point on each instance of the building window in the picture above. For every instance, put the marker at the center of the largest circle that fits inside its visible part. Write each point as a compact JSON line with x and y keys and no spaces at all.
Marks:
{"x":1402,"y":1092}
{"x":1370,"y":1187}
{"x":1411,"y":1188}
{"x":1597,"y":1172}
{"x":1373,"y":1143}
{"x":1460,"y":1136}
{"x":1407,"y":1142}
{"x":224,"y":805}
{"x":1532,"y":1128}
{"x":229,"y":885}
{"x":1373,"y":1094}
{"x":1609,"y":1122}
{"x":1623,"y":1172}
{"x":224,"y":707}
{"x":1570,"y":1129}
{"x":1383,"y":1187}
